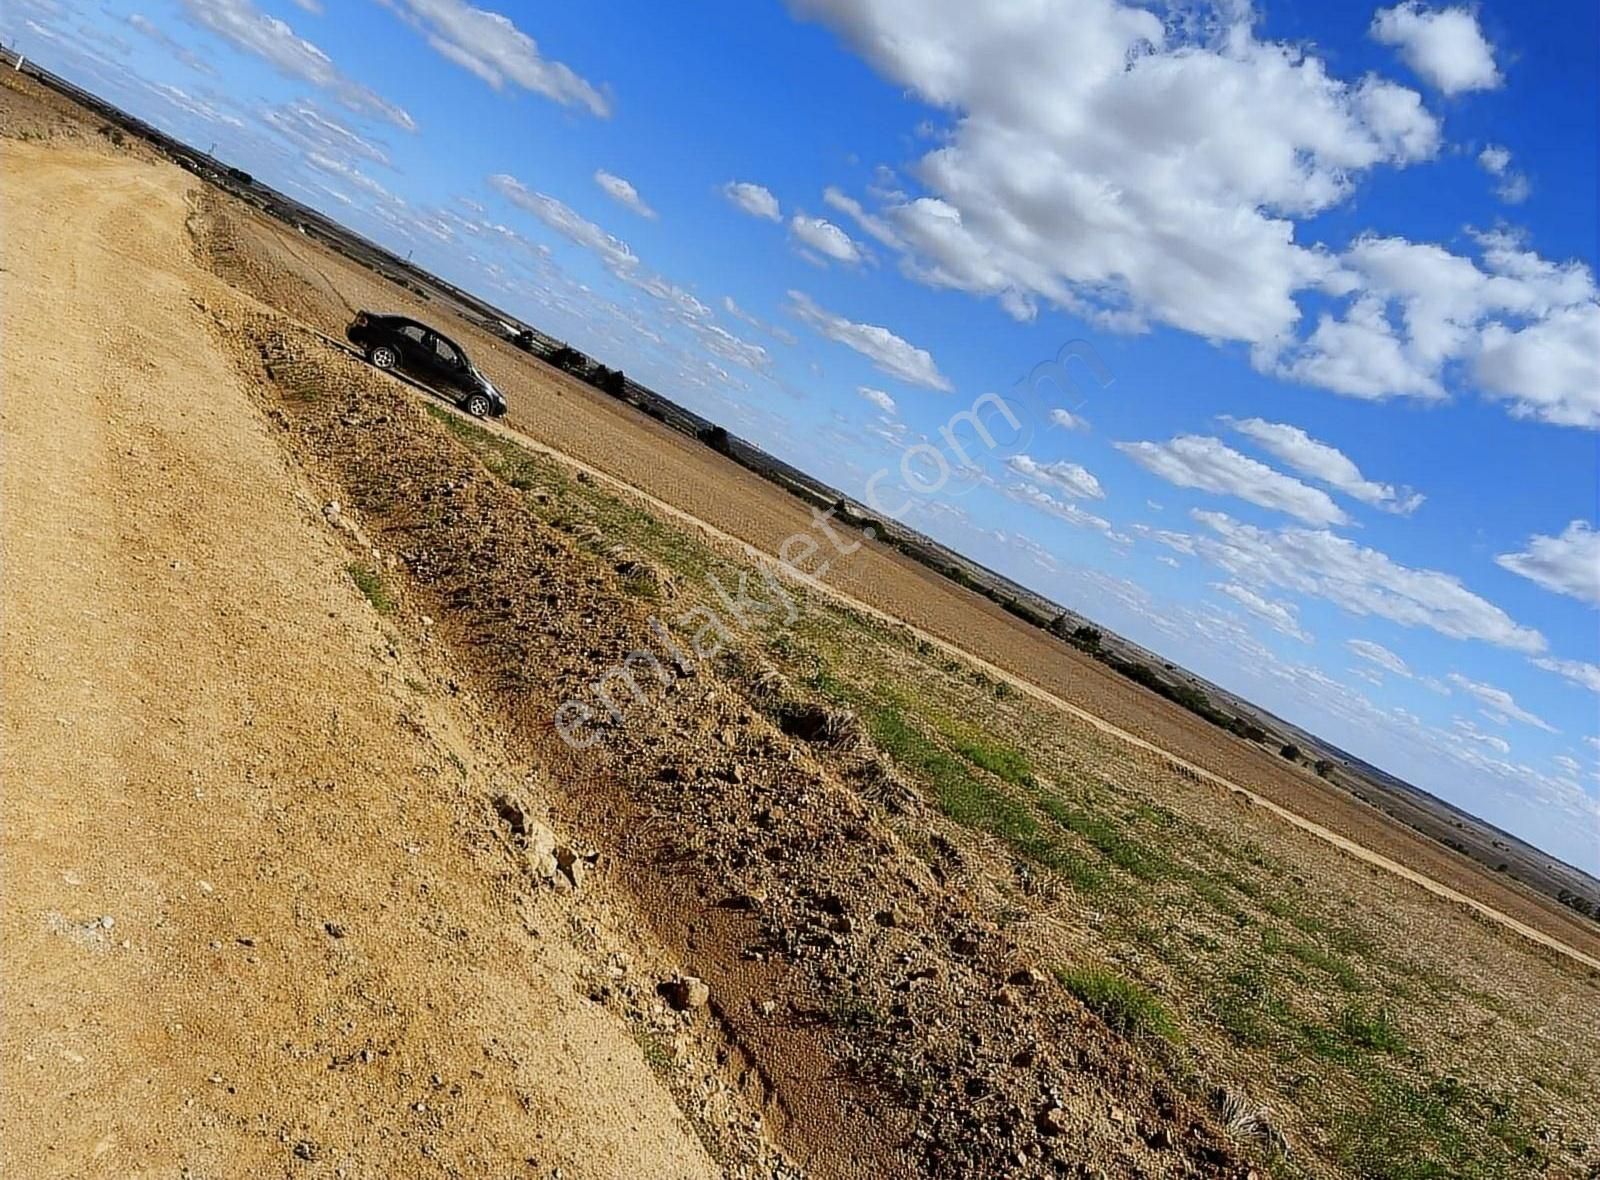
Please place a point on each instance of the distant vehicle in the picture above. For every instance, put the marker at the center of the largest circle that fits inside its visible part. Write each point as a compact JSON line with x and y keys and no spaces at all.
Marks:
{"x":396,"y":342}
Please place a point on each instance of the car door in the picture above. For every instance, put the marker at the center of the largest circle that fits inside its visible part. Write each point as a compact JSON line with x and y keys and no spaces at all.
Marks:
{"x":450,"y":366}
{"x":416,"y":355}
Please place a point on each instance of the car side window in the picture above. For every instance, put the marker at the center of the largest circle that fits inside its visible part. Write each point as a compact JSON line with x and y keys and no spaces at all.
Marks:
{"x":448,"y":356}
{"x":412,"y":332}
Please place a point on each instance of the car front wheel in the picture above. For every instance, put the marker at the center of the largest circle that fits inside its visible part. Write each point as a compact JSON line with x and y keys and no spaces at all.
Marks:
{"x":382,"y":356}
{"x":478,"y":405}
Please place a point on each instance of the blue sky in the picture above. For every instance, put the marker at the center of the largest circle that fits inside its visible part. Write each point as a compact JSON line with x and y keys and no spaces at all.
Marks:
{"x":1337,"y":261}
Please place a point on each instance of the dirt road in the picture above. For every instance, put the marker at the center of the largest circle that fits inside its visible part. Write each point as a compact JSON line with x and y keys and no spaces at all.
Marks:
{"x":255,"y":922}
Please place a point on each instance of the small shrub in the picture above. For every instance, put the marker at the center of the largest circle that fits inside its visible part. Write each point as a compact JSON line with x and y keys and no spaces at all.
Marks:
{"x":1248,"y":730}
{"x":370,"y":583}
{"x":1123,"y":1004}
{"x":1291,"y":752}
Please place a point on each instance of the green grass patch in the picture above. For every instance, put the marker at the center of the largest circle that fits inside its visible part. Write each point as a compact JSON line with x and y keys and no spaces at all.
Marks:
{"x":1059,"y":859}
{"x":820,"y":679}
{"x":569,"y":500}
{"x":1356,"y":1033}
{"x":1247,"y":1008}
{"x":1436,"y":1130}
{"x":959,"y":794}
{"x":1371,"y":1029}
{"x":1340,"y":968}
{"x":1004,"y":762}
{"x":656,"y":1053}
{"x":1123,"y":1004}
{"x":370,"y":582}
{"x":1106,"y":838}
{"x":972,"y":800}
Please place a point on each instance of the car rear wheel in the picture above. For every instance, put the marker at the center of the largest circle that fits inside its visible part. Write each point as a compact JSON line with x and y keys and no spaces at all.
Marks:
{"x":382,"y":356}
{"x":477,"y":405}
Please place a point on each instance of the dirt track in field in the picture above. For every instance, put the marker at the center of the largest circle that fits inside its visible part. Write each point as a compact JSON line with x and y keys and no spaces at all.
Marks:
{"x":693,"y":483}
{"x":254,"y":921}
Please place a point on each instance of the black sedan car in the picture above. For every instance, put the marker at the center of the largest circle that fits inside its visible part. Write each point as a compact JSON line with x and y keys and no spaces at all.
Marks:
{"x":395,"y":342}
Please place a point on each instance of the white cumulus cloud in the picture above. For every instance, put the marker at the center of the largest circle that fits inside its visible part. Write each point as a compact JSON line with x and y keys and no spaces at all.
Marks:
{"x":1497,"y":704}
{"x":1027,"y":493}
{"x":878,"y":398}
{"x":870,"y":223}
{"x":623,"y":192}
{"x":1326,"y":464}
{"x":1376,"y":653}
{"x":1157,"y":177}
{"x":753,"y":199}
{"x":1445,"y":46}
{"x":824,"y":238}
{"x":1071,"y":478}
{"x":1525,"y":329}
{"x":246,"y":27}
{"x":1360,"y":580}
{"x":1280,"y":616}
{"x":1513,"y":187}
{"x":493,"y":48}
{"x":1193,"y":461}
{"x":1568,"y":564}
{"x":889,"y":353}
{"x":1580,"y":672}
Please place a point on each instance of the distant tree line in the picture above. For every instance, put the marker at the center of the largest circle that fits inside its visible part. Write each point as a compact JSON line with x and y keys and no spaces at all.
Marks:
{"x":1090,"y":641}
{"x":1579,"y":902}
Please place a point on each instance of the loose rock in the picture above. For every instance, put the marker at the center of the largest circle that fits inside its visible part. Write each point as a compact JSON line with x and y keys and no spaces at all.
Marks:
{"x":685,"y":993}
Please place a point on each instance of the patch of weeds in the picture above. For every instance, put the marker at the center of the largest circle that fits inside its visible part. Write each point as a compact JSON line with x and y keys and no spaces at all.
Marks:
{"x":1441,"y":1130}
{"x":1004,"y":762}
{"x":527,"y":470}
{"x":960,"y":795}
{"x":847,"y":1011}
{"x":1340,"y":968}
{"x":1123,"y":1004}
{"x":1374,"y":1030}
{"x":1246,"y":1006}
{"x":822,"y":680}
{"x":1213,"y":894}
{"x":1349,"y":940}
{"x":1354,"y":1033}
{"x":972,"y":801}
{"x":1084,"y":877}
{"x":656,"y":1054}
{"x":1437,"y":983}
{"x":1244,"y":886}
{"x":642,"y":586}
{"x":370,"y":583}
{"x":1105,"y":838}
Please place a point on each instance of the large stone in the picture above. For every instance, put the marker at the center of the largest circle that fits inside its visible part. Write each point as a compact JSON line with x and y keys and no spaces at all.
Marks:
{"x":570,"y":864}
{"x":685,"y":993}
